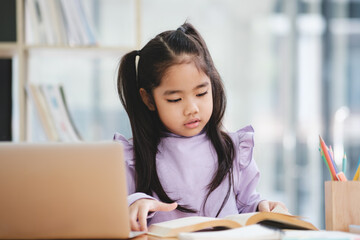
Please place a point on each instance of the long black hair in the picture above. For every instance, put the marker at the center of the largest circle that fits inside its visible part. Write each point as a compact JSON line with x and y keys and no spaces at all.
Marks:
{"x":165,"y":50}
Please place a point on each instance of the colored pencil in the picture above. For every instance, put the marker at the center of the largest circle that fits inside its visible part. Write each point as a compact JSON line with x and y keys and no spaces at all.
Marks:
{"x":327,"y":165}
{"x":356,"y":177}
{"x":331,"y":154}
{"x":344,"y":161}
{"x":328,"y":159}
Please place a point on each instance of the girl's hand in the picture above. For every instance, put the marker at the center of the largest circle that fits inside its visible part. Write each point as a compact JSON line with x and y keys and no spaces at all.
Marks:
{"x":138,"y":212}
{"x":268,"y":206}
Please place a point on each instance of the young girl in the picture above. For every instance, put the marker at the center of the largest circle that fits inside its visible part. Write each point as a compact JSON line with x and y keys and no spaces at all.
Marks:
{"x":180,"y":162}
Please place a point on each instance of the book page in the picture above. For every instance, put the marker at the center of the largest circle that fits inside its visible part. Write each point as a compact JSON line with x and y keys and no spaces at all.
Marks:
{"x":241,"y":218}
{"x":280,"y":209}
{"x":183,"y":222}
{"x":189,"y":224}
{"x":249,"y":232}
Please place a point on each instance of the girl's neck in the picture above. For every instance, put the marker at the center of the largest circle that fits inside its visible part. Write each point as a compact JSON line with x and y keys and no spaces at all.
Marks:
{"x":171,"y":134}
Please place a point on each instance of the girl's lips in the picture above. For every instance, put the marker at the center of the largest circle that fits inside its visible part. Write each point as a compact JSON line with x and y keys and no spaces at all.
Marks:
{"x":193,"y":123}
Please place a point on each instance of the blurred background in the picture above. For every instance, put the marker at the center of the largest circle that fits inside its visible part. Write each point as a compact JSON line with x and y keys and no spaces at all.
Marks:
{"x":289,"y":69}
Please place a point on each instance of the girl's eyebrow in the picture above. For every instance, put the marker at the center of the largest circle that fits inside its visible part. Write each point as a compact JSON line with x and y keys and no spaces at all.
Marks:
{"x":201,"y":85}
{"x":169,"y":92}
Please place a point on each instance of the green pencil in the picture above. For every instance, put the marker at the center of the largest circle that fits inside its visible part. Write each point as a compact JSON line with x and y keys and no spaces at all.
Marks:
{"x":327,"y":165}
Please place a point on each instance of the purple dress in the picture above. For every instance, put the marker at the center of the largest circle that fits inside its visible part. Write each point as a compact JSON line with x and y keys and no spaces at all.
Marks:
{"x":185,"y":166}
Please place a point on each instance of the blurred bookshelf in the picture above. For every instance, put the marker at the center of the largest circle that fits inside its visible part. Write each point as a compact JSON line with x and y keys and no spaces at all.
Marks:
{"x":83,"y":64}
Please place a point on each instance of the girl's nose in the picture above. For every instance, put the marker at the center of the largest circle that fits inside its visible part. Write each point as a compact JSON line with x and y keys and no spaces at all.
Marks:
{"x":191,"y":108}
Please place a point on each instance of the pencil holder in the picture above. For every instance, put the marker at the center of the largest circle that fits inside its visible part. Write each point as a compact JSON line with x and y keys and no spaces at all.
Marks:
{"x":342,"y":205}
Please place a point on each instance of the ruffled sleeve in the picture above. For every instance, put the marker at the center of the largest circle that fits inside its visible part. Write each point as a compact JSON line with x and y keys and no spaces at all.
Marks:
{"x":130,"y":169}
{"x":129,"y":161}
{"x":246,"y":172}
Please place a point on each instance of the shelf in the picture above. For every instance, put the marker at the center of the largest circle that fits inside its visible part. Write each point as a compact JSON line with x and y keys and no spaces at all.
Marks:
{"x":8,"y":49}
{"x":78,"y":48}
{"x":66,"y":47}
{"x":86,"y":51}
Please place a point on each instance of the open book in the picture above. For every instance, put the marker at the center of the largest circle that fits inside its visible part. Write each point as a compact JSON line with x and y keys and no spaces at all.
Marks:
{"x":172,"y":228}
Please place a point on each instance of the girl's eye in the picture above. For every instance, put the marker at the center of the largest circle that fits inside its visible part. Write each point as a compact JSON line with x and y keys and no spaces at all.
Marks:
{"x":174,"y":100}
{"x":202,"y":94}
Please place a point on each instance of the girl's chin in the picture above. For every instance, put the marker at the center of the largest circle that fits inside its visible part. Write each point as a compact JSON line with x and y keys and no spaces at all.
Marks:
{"x":189,"y":132}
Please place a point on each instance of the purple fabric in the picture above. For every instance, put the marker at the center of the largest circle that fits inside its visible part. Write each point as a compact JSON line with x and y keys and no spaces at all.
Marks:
{"x":185,"y":167}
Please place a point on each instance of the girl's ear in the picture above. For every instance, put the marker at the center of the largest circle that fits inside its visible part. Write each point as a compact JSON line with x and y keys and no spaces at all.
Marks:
{"x":147,"y":99}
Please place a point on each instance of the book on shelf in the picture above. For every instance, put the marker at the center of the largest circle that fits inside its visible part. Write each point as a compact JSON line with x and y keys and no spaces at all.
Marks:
{"x":68,"y":114}
{"x":51,"y":105}
{"x":55,"y":21}
{"x":42,"y":111}
{"x":31,"y":23}
{"x":58,"y":22}
{"x":78,"y":25}
{"x":275,"y":220}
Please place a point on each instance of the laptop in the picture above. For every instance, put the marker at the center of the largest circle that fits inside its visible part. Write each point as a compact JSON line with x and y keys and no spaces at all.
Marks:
{"x":63,"y":190}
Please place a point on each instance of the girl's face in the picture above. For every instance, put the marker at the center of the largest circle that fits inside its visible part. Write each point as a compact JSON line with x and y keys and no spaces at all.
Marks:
{"x":184,"y":99}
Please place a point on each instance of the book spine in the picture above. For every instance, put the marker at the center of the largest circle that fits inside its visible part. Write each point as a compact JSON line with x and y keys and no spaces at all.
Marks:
{"x":48,"y":25}
{"x":58,"y":22}
{"x":76,"y":133}
{"x":74,"y":36}
{"x":31,"y":23}
{"x":43,"y":112}
{"x":59,"y":113}
{"x":84,"y":24}
{"x":63,"y":25}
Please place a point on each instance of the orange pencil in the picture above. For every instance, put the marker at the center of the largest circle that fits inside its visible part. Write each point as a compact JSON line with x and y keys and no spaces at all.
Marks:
{"x":328,"y":159}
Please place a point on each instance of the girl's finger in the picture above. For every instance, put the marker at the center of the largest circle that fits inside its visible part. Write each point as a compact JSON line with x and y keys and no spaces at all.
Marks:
{"x":142,"y":218}
{"x":160,"y":206}
{"x":134,"y":225}
{"x":264,"y":206}
{"x":133,"y":220}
